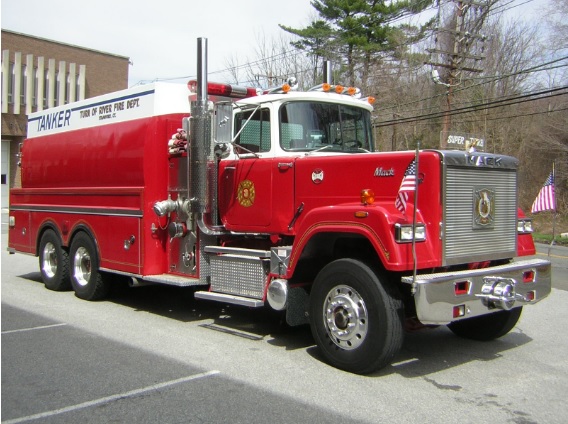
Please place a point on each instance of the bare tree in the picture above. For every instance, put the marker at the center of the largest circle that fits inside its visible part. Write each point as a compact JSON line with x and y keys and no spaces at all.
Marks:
{"x":274,"y":61}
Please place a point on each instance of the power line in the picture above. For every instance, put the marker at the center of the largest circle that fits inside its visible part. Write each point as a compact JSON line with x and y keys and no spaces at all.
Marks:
{"x":483,"y":106}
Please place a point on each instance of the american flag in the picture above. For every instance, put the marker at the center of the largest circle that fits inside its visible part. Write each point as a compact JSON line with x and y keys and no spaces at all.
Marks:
{"x":545,"y":200}
{"x":407,"y":185}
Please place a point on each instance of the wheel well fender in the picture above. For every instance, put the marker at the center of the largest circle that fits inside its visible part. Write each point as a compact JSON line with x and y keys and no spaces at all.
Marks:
{"x":46,"y":226}
{"x":83,"y":228}
{"x":325,"y":247}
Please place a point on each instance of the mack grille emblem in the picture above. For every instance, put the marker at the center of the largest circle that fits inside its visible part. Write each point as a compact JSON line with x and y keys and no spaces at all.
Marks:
{"x":483,"y":160}
{"x":483,"y":208}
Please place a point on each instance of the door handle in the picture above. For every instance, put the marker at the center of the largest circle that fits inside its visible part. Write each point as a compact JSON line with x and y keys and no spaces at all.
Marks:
{"x":285,"y":165}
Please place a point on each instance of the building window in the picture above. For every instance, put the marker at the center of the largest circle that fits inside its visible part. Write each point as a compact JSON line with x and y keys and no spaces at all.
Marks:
{"x":11,"y":82}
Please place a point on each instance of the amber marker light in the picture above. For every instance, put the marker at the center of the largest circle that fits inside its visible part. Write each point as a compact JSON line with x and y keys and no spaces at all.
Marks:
{"x":371,"y":100}
{"x":361,"y":214}
{"x":351,"y":91}
{"x":326,"y":87}
{"x":367,"y":196}
{"x":339,"y":89}
{"x":286,"y":88}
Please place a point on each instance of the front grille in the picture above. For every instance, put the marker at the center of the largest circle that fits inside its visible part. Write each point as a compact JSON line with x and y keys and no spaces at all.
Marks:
{"x":464,"y":239}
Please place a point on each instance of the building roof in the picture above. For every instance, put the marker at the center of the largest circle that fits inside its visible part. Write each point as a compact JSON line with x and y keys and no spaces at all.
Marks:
{"x":20,"y":34}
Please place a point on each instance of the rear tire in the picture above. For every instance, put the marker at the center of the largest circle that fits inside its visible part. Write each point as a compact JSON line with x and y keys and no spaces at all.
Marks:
{"x":487,"y":327}
{"x":356,"y":321}
{"x":53,"y":262}
{"x":86,"y":279}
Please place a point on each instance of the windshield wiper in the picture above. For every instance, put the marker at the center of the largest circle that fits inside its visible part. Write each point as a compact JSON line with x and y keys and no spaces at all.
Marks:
{"x":319,"y":149}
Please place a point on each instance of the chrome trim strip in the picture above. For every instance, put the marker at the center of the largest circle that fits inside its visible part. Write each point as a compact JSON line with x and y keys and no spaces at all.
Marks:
{"x":80,"y":210}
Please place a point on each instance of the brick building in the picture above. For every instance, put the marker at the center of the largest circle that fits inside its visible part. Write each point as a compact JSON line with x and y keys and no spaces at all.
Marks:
{"x":37,"y":74}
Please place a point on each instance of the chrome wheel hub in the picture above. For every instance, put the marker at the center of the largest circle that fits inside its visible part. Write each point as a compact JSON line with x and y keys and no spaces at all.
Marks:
{"x":345,"y":317}
{"x":49,"y":261}
{"x":82,"y":266}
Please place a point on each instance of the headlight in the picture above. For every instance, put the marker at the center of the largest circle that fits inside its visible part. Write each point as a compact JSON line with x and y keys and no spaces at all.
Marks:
{"x":403,"y":233}
{"x":524,"y":226}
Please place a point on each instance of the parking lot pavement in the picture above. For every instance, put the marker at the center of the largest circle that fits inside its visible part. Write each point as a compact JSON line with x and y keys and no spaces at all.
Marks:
{"x":54,"y":372}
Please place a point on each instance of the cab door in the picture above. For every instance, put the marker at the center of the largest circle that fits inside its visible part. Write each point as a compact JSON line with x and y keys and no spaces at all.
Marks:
{"x":255,"y":190}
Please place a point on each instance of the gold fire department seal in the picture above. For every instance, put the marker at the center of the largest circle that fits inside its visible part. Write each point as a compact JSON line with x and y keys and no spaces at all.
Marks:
{"x":484,"y":208}
{"x":246,"y":193}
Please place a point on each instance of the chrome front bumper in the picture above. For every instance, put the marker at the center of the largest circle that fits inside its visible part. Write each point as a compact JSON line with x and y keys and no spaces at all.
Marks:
{"x":450,"y":296}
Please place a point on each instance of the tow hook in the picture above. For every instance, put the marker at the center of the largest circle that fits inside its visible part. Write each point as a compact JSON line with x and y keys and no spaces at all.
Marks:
{"x":499,"y":292}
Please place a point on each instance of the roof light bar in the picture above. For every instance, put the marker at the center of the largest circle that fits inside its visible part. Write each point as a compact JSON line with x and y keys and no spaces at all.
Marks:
{"x":224,"y":90}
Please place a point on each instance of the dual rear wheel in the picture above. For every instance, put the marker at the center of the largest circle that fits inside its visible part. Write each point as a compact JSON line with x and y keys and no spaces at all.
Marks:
{"x":77,"y":269}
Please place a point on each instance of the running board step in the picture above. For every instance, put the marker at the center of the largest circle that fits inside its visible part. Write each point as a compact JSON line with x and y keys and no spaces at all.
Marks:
{"x":230,"y":298}
{"x":173,"y":280}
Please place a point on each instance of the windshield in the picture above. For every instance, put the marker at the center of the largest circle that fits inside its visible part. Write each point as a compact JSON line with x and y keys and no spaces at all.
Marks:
{"x":307,"y":126}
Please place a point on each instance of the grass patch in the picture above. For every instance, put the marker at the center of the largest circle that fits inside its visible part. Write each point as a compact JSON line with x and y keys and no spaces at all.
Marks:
{"x":543,"y":224}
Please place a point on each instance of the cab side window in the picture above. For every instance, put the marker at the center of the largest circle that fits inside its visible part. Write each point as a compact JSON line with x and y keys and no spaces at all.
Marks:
{"x":255,"y":134}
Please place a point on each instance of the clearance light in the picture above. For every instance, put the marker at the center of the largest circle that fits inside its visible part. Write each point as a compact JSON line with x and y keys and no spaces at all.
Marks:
{"x":524,"y":226}
{"x":339,"y":89}
{"x":361,"y":214}
{"x":459,"y":311}
{"x":224,"y":90}
{"x":403,"y":233}
{"x":370,"y":100}
{"x":286,"y":88}
{"x":367,"y":196}
{"x":351,"y":91}
{"x":529,"y":276}
{"x":326,"y":87}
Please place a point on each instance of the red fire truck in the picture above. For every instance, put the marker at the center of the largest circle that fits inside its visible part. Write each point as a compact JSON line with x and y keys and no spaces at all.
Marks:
{"x":276,"y":199}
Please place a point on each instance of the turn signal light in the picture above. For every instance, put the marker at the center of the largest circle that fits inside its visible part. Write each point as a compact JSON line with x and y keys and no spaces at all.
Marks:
{"x":461,"y":288}
{"x":529,"y":276}
{"x":367,"y":196}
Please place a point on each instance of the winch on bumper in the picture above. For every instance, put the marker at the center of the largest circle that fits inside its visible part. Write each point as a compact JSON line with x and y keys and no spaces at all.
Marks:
{"x":451,"y":296}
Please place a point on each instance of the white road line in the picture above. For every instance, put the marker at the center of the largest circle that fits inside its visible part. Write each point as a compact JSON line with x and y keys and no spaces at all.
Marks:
{"x":112,"y":398}
{"x":41,"y":327}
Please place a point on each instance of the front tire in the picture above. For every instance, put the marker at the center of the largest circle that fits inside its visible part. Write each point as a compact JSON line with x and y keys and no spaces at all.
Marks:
{"x":356,"y":321}
{"x":487,"y":327}
{"x":86,"y":279}
{"x":53,"y":262}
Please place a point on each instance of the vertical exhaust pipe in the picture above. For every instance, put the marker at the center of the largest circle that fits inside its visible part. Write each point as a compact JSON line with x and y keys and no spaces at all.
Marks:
{"x":200,"y":136}
{"x":327,"y":76}
{"x":202,"y":169}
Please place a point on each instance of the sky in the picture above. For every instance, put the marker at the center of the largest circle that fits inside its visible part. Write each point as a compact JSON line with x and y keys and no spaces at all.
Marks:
{"x":160,"y":36}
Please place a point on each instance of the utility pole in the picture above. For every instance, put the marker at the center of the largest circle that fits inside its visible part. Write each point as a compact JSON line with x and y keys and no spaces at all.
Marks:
{"x":456,"y":40}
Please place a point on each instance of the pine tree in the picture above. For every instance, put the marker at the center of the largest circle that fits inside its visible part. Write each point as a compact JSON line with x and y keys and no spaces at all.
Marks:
{"x":357,"y":33}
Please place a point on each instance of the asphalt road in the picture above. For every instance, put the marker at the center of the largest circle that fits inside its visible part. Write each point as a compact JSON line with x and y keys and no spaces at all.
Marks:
{"x":558,"y":256}
{"x":153,"y":354}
